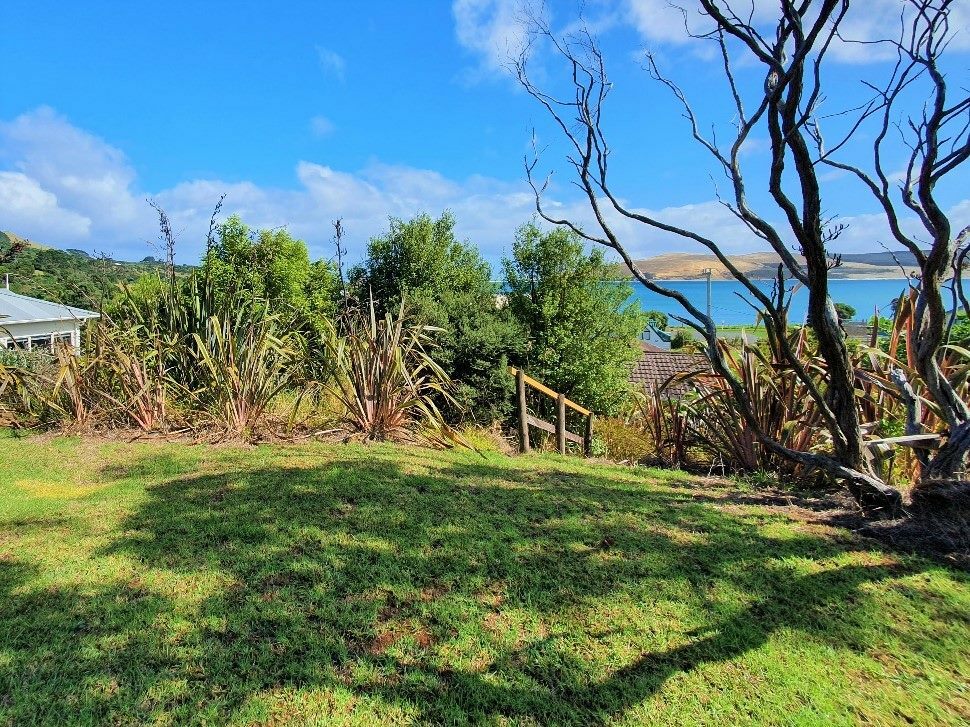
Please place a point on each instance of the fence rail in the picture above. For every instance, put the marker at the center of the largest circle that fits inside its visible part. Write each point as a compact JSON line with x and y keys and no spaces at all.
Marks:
{"x":526,"y":419}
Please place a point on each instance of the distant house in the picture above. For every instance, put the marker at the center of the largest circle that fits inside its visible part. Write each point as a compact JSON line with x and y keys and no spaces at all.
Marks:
{"x":32,"y":323}
{"x":657,"y":338}
{"x":859,"y":331}
{"x":656,"y":366}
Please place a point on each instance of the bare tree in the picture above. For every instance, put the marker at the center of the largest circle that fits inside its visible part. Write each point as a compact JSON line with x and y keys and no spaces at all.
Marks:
{"x":792,"y":58}
{"x":938,"y":142}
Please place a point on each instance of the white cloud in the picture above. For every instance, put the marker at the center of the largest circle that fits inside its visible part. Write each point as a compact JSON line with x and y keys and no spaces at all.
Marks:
{"x":322,"y":126}
{"x":84,"y":193}
{"x":65,"y":186}
{"x":331,"y":62}
{"x":25,"y":205}
{"x":880,"y":19}
{"x":665,"y":22}
{"x":83,"y":172}
{"x":493,"y":30}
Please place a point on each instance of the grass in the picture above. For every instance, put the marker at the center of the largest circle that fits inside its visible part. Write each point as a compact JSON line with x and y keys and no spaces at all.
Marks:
{"x":730,"y":333}
{"x":358,"y":585}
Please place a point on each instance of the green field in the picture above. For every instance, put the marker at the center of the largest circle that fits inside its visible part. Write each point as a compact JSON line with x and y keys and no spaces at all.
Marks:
{"x":334,"y":584}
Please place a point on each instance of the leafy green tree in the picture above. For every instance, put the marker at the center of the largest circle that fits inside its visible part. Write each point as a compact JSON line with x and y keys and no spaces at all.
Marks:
{"x":446,"y":283}
{"x":657,"y":318}
{"x":844,"y":311}
{"x":272,"y":266}
{"x":71,"y":277}
{"x":582,"y":330}
{"x":143,"y":294}
{"x":9,"y":249}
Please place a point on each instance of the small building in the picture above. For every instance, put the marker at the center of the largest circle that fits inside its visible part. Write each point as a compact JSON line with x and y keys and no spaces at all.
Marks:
{"x":656,"y":338}
{"x":656,"y":366}
{"x":32,"y":323}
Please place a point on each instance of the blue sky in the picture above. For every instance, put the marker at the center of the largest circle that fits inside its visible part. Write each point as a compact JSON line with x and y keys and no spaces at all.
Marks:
{"x":304,"y":111}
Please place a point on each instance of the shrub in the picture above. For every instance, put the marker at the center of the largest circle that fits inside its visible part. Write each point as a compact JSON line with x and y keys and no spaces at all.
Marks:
{"x":20,"y":403}
{"x":681,"y":339}
{"x":386,"y":379}
{"x":621,"y":441}
{"x":448,"y":286}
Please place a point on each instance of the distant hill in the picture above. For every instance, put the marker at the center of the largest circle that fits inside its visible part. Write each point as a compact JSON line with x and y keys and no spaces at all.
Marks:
{"x":678,"y":266}
{"x":9,"y":239}
{"x":72,"y":277}
{"x":892,"y":259}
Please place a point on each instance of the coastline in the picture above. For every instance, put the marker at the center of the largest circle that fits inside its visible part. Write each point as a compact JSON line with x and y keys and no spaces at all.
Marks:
{"x":730,"y":305}
{"x":766,"y":280}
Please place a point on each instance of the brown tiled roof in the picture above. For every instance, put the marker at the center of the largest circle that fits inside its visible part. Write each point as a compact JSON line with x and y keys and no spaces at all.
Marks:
{"x":655,"y":367}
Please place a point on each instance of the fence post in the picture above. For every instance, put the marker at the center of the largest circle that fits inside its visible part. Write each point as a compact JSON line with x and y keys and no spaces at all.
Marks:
{"x":561,"y":423}
{"x":523,"y":413}
{"x":588,"y":435}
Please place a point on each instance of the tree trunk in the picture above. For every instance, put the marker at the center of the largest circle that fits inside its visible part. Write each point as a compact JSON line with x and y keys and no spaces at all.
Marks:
{"x":876,"y":498}
{"x":950,"y":461}
{"x":925,"y":341}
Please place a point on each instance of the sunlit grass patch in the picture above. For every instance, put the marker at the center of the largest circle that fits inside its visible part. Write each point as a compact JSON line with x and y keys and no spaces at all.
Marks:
{"x":378,"y":584}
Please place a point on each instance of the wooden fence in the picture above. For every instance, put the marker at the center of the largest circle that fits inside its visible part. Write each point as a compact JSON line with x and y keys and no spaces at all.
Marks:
{"x":559,"y":428}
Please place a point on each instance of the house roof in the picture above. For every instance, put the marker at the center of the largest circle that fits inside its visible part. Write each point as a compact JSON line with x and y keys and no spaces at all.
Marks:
{"x":655,"y":368}
{"x":16,"y":308}
{"x":648,"y":347}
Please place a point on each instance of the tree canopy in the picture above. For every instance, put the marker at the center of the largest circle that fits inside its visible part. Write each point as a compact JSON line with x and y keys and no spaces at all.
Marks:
{"x":582,"y":331}
{"x":270,"y":265}
{"x":448,"y":284}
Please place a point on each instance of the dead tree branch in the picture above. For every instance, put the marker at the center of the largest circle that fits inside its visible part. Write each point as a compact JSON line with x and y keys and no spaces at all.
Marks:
{"x":792,"y":61}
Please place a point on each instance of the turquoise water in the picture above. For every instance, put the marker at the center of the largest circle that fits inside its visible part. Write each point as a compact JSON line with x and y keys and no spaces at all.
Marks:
{"x":728,"y":309}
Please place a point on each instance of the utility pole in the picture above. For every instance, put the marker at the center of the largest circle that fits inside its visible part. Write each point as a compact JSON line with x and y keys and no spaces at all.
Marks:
{"x":709,"y":272}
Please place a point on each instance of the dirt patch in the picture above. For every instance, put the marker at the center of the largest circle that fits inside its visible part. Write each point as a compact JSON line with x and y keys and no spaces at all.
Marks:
{"x":942,"y":535}
{"x":432,"y":593}
{"x":389,"y":637}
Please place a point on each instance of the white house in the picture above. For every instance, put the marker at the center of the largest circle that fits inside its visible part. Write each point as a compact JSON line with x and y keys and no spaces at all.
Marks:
{"x":33,"y":323}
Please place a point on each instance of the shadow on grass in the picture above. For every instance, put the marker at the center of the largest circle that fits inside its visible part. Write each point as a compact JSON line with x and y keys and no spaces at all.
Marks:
{"x":66,"y":654}
{"x":445,"y":594}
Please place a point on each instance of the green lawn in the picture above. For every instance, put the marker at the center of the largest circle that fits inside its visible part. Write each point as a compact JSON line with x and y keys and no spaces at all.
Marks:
{"x":361,"y":585}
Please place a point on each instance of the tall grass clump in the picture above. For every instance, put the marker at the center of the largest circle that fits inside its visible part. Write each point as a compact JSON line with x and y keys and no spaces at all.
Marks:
{"x":386,"y":379}
{"x":891,"y":397}
{"x":185,"y":362}
{"x":780,"y":403}
{"x":246,"y":362}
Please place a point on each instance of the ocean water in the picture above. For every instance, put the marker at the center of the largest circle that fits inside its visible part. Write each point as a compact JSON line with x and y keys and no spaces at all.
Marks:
{"x":729,"y":309}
